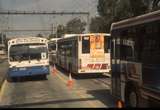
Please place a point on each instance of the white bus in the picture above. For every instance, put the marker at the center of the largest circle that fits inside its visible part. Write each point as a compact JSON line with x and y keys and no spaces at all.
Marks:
{"x":28,"y":56}
{"x":84,"y":53}
{"x":52,"y":46}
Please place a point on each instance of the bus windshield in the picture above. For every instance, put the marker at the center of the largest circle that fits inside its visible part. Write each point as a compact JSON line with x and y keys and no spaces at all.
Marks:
{"x":24,"y":52}
{"x":52,"y":47}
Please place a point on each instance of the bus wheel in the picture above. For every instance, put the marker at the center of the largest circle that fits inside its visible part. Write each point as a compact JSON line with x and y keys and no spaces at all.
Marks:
{"x":132,"y":97}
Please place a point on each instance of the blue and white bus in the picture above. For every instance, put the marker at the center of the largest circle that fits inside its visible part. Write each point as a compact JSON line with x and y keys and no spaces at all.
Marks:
{"x":28,"y":56}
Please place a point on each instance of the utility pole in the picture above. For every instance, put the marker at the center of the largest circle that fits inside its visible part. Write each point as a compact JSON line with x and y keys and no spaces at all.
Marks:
{"x":55,"y":28}
{"x":11,"y":12}
{"x":52,"y":28}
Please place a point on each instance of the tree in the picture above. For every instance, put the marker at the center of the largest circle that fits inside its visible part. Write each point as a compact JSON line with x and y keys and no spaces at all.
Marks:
{"x":75,"y":26}
{"x":39,"y":35}
{"x":52,"y":36}
{"x":116,"y":10}
{"x":97,"y":25}
{"x":60,"y":31}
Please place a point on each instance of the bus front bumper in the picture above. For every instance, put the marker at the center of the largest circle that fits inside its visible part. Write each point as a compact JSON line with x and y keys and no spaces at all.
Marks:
{"x":28,"y":71}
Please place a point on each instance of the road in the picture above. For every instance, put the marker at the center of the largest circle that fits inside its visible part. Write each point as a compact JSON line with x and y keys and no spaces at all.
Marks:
{"x":3,"y":69}
{"x":89,"y":91}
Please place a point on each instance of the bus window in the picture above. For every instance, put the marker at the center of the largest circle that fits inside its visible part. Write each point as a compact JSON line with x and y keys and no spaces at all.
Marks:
{"x":107,"y":44}
{"x":126,"y":52}
{"x":86,"y":44}
{"x":23,"y":52}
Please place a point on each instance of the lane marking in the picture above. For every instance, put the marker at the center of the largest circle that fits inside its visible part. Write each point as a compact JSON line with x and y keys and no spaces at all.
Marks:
{"x":60,"y":77}
{"x":77,"y":92}
{"x":90,"y":103}
{"x":2,"y":90}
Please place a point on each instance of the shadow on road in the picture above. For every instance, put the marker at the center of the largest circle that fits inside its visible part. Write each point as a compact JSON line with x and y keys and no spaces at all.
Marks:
{"x":104,"y":96}
{"x":62,"y":101}
{"x":28,"y":78}
{"x":83,"y":75}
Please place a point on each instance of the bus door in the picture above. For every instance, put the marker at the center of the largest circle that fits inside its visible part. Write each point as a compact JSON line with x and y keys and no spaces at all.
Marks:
{"x":115,"y":66}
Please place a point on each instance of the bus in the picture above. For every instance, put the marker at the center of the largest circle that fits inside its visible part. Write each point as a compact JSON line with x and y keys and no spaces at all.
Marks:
{"x":135,"y":60}
{"x":84,"y":53}
{"x":52,"y":47}
{"x":28,"y":56}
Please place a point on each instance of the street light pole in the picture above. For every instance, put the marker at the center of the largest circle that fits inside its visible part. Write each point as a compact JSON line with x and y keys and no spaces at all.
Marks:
{"x":52,"y":29}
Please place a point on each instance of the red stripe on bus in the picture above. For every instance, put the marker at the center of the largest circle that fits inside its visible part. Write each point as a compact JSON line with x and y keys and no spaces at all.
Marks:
{"x":97,"y":66}
{"x":104,"y":66}
{"x":90,"y":66}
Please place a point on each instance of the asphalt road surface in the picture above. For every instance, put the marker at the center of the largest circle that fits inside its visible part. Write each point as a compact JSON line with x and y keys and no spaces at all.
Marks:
{"x":3,"y":70}
{"x":88,"y":91}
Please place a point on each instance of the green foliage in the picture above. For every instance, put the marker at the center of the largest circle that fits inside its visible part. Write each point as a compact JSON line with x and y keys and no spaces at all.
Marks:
{"x":75,"y":26}
{"x":97,"y":25}
{"x":115,"y":10}
{"x":52,"y":36}
{"x":39,"y":35}
{"x":60,"y":31}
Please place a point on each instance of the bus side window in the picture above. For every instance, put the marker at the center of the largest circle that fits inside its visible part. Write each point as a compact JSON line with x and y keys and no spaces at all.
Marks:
{"x":86,"y":44}
{"x":127,"y":52}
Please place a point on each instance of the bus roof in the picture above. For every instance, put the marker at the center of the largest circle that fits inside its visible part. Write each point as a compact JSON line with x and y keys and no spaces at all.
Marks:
{"x":21,"y":40}
{"x":106,"y":34}
{"x":86,"y":34}
{"x":137,"y":20}
{"x":54,"y":39}
{"x":69,"y":35}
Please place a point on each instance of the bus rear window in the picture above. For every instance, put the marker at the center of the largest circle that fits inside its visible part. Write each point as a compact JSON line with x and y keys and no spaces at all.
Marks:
{"x":86,"y":44}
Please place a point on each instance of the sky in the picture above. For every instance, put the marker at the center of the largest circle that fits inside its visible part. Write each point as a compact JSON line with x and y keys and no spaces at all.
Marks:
{"x":40,"y":21}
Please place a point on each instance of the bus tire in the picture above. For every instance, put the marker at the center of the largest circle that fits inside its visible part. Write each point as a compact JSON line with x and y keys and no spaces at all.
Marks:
{"x":132,"y":96}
